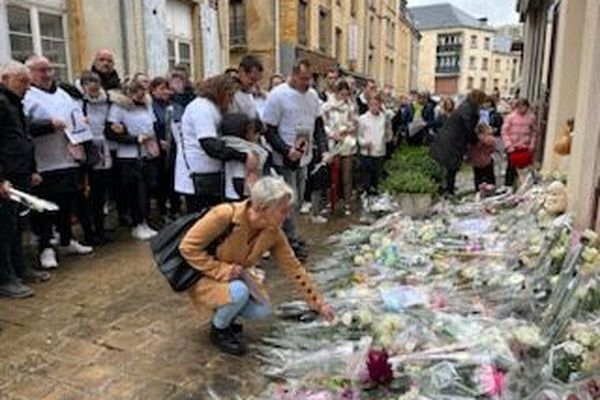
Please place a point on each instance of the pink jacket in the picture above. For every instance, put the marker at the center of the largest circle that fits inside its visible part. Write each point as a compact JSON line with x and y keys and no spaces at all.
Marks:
{"x":519,"y":131}
{"x":480,"y":154}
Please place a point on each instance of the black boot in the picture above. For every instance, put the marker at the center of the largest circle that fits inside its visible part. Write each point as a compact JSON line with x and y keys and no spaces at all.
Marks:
{"x":236,"y":328}
{"x":227,"y":341}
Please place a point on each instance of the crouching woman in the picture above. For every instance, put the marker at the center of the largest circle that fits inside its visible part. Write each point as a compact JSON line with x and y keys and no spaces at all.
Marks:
{"x":231,"y":285}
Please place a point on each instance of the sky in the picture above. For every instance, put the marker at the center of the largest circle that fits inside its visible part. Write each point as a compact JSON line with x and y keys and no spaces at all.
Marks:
{"x":498,"y":12}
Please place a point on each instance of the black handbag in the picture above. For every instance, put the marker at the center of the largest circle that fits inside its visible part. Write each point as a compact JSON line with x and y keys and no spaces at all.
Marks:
{"x":208,"y":185}
{"x":165,"y":248}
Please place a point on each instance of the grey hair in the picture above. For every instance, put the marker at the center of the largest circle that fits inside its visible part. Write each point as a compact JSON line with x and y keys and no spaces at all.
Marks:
{"x":268,"y":191}
{"x":35,"y":59}
{"x":12,"y":68}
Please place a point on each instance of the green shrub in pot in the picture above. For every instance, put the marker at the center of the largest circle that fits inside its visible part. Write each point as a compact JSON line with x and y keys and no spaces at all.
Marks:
{"x":411,"y":182}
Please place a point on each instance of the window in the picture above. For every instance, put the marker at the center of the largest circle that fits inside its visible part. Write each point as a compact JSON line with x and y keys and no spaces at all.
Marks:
{"x":180,"y":52}
{"x":371,"y":31}
{"x":496,"y":83}
{"x":470,"y":83}
{"x":483,"y":84}
{"x":353,"y":7}
{"x":303,"y":22}
{"x":180,"y":36}
{"x":324,"y":30}
{"x":498,"y":65}
{"x":484,"y":64}
{"x":393,"y":34}
{"x":370,"y":66}
{"x":473,"y":42}
{"x":472,"y":63}
{"x":46,"y":37}
{"x":338,"y":44}
{"x":486,"y":43}
{"x":237,"y":23}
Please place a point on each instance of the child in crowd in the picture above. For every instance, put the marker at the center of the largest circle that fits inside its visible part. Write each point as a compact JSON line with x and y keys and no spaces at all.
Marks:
{"x":480,"y":156}
{"x":373,"y":135}
{"x":131,"y":124}
{"x":239,"y":176}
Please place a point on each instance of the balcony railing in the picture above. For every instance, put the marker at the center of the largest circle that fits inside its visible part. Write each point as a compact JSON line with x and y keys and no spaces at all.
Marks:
{"x":447,"y":70}
{"x":449,"y":48}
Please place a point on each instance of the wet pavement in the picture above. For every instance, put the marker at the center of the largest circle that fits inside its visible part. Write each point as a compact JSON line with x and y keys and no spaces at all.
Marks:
{"x":107,"y":326}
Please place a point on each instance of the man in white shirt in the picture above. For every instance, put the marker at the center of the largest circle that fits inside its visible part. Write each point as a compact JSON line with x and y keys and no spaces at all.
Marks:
{"x":249,"y":75}
{"x":290,"y":114}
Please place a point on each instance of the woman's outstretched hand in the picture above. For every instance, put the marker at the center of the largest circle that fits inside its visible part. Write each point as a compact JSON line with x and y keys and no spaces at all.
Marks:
{"x":327,"y":312}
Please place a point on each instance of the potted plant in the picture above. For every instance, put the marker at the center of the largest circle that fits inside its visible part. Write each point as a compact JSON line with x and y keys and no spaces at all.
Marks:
{"x":412,"y":177}
{"x":413,"y":190}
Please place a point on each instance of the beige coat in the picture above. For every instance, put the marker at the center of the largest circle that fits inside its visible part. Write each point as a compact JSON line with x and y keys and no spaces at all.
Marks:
{"x":242,"y":247}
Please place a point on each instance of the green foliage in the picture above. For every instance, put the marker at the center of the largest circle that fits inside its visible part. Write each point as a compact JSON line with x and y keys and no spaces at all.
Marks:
{"x":409,"y":182}
{"x":414,"y":159}
{"x":412,"y":170}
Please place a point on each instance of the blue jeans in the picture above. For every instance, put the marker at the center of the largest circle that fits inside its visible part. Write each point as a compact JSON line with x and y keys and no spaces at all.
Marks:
{"x":241,"y":306}
{"x":296,"y":178}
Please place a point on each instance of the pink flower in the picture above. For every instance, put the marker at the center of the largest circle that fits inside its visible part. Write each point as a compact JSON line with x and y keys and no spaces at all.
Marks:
{"x":380,"y":370}
{"x":492,"y":381}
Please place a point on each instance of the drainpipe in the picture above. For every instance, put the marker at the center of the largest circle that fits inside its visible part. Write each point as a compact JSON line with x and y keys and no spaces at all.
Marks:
{"x":276,"y":38}
{"x":124,"y":46}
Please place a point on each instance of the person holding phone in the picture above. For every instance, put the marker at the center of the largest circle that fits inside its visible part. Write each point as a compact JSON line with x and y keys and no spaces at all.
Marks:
{"x":290,"y":114}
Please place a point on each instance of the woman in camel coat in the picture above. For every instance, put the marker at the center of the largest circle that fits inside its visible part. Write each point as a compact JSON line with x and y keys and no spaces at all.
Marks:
{"x":231,"y":285}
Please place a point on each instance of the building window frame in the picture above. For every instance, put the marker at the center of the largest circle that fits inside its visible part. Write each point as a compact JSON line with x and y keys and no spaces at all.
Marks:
{"x":324,"y":30}
{"x":483,"y":85}
{"x":353,"y":8}
{"x":473,"y":41}
{"x":470,"y":82}
{"x":472,"y":62}
{"x":339,"y":38}
{"x":34,"y":12}
{"x":484,"y":64}
{"x":303,"y":22}
{"x":174,"y":47}
{"x":237,"y":23}
{"x":487,"y":43}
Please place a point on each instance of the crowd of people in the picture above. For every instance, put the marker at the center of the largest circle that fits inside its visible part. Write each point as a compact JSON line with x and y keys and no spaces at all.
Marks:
{"x":105,"y":141}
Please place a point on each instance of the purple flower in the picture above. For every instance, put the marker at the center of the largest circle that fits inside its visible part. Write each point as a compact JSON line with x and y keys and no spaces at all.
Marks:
{"x":380,"y":370}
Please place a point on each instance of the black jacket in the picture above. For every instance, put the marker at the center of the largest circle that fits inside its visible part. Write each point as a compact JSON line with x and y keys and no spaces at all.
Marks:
{"x":457,"y":132}
{"x":108,"y":81}
{"x":17,"y":161}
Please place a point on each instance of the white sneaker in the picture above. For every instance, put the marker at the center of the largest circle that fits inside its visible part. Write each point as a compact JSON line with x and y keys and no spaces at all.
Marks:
{"x":48,"y":259}
{"x":74,"y":247}
{"x":305,"y":209}
{"x":149,"y":231}
{"x":319,"y":219}
{"x":139,"y":233}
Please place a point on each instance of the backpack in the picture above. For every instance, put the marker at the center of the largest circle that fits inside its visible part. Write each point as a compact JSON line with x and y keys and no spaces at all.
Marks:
{"x":165,"y":249}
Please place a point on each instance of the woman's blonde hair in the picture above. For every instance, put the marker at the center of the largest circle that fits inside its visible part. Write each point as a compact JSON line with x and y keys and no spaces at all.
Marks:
{"x":269,"y":191}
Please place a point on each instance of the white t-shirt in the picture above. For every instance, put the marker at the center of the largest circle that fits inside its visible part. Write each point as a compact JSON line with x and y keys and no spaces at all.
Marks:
{"x":51,"y":152}
{"x":372,"y":131}
{"x":293,"y":113}
{"x":200,"y":120}
{"x":233,"y":170}
{"x":244,"y":103}
{"x":138,"y":121}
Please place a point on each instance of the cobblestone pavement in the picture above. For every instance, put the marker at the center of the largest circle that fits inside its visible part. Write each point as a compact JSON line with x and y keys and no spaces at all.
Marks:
{"x":107,"y":326}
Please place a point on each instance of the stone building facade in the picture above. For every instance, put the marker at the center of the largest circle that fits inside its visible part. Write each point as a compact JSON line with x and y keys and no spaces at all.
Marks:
{"x":363,"y":38}
{"x":562,"y":47}
{"x":458,"y":53}
{"x":145,"y":35}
